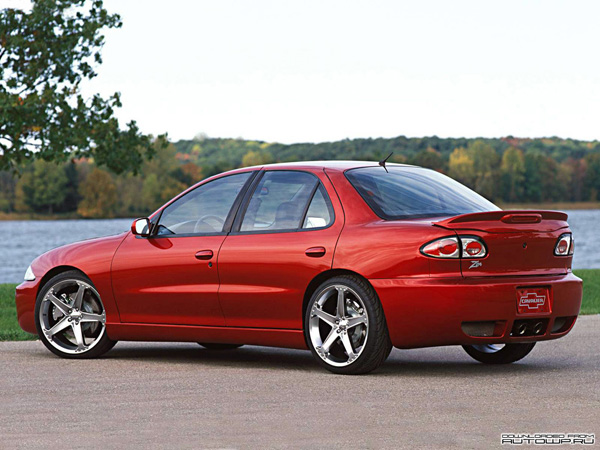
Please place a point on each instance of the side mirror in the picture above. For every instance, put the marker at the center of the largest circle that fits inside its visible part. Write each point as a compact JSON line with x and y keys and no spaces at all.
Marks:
{"x":141,"y":227}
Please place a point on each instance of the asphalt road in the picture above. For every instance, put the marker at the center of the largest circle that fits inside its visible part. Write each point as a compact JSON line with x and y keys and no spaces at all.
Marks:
{"x":181,"y":396}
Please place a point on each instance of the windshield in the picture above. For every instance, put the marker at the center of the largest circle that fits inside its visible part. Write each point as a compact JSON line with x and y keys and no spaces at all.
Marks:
{"x":414,"y":192}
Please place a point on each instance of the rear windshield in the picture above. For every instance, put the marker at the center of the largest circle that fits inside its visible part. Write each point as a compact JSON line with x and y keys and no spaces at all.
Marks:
{"x":414,"y":192}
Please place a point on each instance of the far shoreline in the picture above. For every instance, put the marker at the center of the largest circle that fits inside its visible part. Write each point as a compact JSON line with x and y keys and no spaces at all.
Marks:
{"x":58,"y":216}
{"x":556,"y":206}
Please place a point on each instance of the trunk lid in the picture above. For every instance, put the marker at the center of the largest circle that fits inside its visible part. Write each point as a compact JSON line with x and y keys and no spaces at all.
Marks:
{"x":518,"y":242}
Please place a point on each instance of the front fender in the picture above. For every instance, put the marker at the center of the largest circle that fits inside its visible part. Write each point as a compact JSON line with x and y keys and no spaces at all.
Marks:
{"x":92,"y":257}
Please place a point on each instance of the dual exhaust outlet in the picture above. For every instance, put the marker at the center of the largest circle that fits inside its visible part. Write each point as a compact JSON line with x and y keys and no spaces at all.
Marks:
{"x":528,"y":328}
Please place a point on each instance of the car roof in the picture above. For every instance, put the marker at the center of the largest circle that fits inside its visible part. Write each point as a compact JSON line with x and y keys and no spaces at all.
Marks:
{"x":335,"y":165}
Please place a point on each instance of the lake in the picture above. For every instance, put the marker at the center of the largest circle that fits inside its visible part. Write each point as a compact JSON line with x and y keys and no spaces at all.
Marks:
{"x":26,"y":239}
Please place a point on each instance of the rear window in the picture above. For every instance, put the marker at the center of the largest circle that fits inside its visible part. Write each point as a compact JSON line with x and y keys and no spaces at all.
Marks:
{"x":414,"y":192}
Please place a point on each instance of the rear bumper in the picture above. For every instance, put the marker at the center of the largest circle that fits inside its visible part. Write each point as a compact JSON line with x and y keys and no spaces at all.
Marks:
{"x":425,"y":312}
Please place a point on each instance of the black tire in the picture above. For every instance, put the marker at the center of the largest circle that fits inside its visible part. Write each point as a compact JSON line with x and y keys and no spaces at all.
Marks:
{"x":377,"y":346}
{"x":211,"y":346}
{"x":508,"y":354}
{"x":104,"y":343}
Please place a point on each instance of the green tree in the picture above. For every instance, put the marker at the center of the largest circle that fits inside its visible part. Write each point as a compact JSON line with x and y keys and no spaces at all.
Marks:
{"x":98,"y":195}
{"x":129,"y":202}
{"x":430,"y":158}
{"x":532,"y":190}
{"x":43,"y":186}
{"x":592,"y":177}
{"x":513,"y":174}
{"x":575,"y":185}
{"x":7,"y":191}
{"x":46,"y":53}
{"x":160,"y":177}
{"x":485,"y":164}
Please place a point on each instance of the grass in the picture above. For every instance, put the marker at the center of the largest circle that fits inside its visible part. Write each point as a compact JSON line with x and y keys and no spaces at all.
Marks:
{"x":9,"y":327}
{"x":591,"y":290}
{"x":10,"y":330}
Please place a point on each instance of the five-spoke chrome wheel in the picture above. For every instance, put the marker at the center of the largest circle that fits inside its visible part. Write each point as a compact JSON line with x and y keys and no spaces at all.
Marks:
{"x":345,"y":327}
{"x":339,"y":325}
{"x":71,"y":318}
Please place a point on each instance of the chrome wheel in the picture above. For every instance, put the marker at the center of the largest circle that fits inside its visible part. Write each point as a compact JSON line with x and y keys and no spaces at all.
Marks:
{"x":488,"y":348}
{"x":72,"y":317}
{"x":498,"y":353}
{"x":338,"y":325}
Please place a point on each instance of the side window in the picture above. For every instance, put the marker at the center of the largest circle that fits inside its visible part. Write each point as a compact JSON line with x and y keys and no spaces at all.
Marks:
{"x":320,"y":211}
{"x":279,"y":201}
{"x":203,"y":210}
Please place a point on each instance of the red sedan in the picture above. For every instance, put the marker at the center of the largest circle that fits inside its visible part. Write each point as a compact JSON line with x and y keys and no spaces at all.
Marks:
{"x":347,"y":259}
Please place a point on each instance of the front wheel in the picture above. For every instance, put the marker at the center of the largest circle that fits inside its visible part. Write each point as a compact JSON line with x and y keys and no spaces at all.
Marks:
{"x":345,"y":327}
{"x":498,"y":353}
{"x":70,"y":317}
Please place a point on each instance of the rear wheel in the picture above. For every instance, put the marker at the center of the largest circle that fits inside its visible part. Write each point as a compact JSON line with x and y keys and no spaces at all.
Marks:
{"x":345,"y":326}
{"x":70,"y":317}
{"x":499,"y":353}
{"x":211,"y":346}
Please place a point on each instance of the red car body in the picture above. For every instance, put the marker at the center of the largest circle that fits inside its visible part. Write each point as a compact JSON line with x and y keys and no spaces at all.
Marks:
{"x":253,"y":288}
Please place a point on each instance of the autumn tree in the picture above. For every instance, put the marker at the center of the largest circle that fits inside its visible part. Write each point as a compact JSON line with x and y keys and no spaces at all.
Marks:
{"x":256,"y":158}
{"x":46,"y":53}
{"x":461,"y":166}
{"x":98,"y":195}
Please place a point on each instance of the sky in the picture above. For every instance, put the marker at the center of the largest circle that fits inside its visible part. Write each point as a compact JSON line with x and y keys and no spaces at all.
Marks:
{"x":313,"y":71}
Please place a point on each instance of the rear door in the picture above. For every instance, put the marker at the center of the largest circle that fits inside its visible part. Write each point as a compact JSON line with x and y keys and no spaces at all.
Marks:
{"x":285,"y":235}
{"x":518,"y":242}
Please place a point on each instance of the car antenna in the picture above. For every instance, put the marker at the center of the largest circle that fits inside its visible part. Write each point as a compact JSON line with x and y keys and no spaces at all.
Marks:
{"x":383,"y":161}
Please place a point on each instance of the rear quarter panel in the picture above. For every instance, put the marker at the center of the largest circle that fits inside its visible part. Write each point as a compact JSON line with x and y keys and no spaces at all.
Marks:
{"x":375,"y":248}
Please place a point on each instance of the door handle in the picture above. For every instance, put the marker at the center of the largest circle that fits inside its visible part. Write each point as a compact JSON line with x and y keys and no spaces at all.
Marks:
{"x":204,"y":254}
{"x":315,"y":252}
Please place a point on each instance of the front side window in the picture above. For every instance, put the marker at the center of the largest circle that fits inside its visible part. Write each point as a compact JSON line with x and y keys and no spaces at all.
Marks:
{"x":414,"y":192}
{"x":280,"y":202}
{"x":203,"y":210}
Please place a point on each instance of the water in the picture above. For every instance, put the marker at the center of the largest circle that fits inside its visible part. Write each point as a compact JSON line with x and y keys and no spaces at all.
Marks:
{"x":586,"y":232}
{"x":26,"y":239}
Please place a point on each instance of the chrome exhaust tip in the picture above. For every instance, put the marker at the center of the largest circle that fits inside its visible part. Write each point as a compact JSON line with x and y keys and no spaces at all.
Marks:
{"x":522,"y":329}
{"x":537,"y":328}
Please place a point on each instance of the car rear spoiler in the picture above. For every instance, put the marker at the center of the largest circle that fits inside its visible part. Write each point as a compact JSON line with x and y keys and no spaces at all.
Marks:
{"x":505,"y":221}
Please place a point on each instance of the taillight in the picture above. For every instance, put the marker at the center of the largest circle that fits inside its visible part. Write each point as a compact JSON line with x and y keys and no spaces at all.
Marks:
{"x":572,"y":249}
{"x":564,"y":245}
{"x":442,"y":248}
{"x":472,"y":247}
{"x":451,"y":247}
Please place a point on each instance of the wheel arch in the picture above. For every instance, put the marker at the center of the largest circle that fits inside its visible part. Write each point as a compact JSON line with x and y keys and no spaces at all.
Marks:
{"x":57,"y":271}
{"x":321,"y":278}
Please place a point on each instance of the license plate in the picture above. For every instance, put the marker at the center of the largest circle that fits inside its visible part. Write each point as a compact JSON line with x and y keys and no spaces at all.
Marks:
{"x":533,"y":300}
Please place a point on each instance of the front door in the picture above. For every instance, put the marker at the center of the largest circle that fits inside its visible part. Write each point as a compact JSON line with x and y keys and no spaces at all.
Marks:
{"x":172,"y":276}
